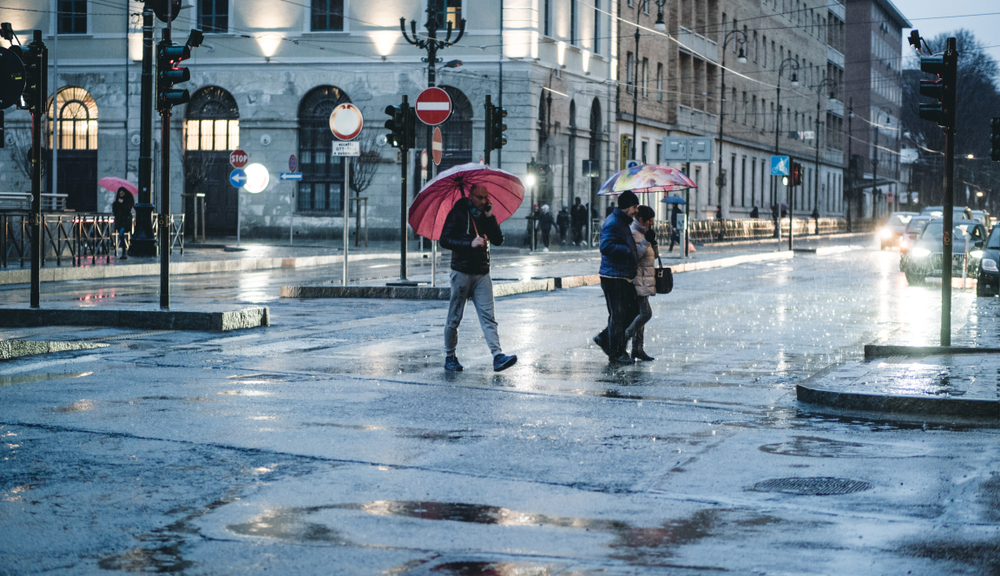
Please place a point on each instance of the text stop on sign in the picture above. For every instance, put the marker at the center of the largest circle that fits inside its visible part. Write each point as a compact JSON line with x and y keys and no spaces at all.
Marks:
{"x":238,"y":158}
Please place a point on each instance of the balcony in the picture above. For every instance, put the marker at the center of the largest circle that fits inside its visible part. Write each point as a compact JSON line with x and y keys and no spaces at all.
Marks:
{"x":837,"y":7}
{"x":697,"y":121}
{"x":834,"y":57}
{"x":698,"y":44}
{"x":835,"y":107}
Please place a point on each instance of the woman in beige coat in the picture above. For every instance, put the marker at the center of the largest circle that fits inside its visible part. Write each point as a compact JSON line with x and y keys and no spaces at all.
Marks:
{"x":645,"y":279}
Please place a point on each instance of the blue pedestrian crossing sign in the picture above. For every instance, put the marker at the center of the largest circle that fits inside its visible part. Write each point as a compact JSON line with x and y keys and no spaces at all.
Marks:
{"x":238,"y":178}
{"x":779,"y":165}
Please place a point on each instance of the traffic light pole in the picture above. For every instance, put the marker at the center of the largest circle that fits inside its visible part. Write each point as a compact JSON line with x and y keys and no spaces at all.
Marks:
{"x":163,"y":218}
{"x":144,"y":241}
{"x":40,"y":56}
{"x":946,"y":237}
{"x":405,"y":152}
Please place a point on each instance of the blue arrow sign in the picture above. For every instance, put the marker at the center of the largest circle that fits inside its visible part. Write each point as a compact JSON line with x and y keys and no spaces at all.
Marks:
{"x":238,"y":178}
{"x":779,"y":165}
{"x":290,"y":176}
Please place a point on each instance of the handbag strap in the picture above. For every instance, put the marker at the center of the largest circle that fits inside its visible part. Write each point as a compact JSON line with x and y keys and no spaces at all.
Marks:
{"x":658,"y":259}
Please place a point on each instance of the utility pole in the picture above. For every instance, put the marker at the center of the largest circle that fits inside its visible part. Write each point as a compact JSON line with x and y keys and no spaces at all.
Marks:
{"x":144,"y":241}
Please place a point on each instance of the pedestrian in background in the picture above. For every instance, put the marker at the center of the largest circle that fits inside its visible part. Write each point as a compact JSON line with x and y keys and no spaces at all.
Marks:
{"x":578,"y":219}
{"x":468,"y":232}
{"x":618,"y":269}
{"x":675,"y":233}
{"x":122,"y":210}
{"x":545,"y":223}
{"x":645,"y":278}
{"x":562,"y":223}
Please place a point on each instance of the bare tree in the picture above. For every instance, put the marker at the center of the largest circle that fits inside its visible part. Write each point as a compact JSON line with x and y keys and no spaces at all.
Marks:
{"x":20,"y":152}
{"x":365,"y":167}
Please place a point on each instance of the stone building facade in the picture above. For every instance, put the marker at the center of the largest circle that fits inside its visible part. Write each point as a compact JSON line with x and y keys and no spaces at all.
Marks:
{"x":268,"y":75}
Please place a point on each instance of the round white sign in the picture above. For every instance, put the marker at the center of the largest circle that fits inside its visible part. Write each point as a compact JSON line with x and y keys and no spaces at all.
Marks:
{"x":257,"y":178}
{"x":346,"y":121}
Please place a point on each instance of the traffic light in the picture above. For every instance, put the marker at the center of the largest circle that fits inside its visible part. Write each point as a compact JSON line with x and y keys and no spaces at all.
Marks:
{"x":796,"y":174}
{"x":942,"y":90}
{"x":36,"y":74}
{"x":489,"y":123}
{"x":995,"y":139}
{"x":168,"y":73}
{"x":11,"y":78}
{"x":402,"y":126}
{"x":497,"y":128}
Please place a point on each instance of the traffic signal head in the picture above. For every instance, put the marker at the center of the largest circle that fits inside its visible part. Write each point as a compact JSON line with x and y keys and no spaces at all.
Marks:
{"x":11,"y":78}
{"x":35,"y":57}
{"x":497,"y":128}
{"x":394,"y":125}
{"x":796,"y":174}
{"x":995,"y":139}
{"x":942,"y":89}
{"x":168,"y":73}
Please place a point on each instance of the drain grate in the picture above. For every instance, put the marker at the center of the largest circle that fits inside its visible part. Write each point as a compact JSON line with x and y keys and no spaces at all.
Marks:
{"x":812,"y":486}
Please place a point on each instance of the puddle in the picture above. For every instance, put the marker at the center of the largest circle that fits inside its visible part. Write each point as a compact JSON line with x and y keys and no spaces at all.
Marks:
{"x":478,"y":568}
{"x":811,"y":447}
{"x":42,"y":377}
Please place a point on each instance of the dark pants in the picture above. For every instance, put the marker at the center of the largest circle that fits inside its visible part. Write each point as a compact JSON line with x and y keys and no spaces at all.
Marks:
{"x":545,"y":237}
{"x":578,"y":231}
{"x":623,"y":307}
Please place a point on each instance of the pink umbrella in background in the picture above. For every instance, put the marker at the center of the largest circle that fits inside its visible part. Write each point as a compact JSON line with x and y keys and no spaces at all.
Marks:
{"x":431,"y":206}
{"x":113,"y":183}
{"x":647,"y":178}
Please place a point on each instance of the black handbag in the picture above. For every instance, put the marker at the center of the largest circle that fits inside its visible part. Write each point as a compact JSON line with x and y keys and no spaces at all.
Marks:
{"x":664,"y":279}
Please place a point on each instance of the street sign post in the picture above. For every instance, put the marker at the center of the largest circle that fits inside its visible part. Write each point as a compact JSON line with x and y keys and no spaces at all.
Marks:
{"x":346,"y":121}
{"x":433,"y":106}
{"x":779,"y":165}
{"x":238,"y":158}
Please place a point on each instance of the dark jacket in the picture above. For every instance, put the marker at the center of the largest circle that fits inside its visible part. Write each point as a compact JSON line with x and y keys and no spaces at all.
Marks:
{"x":619,"y":258}
{"x":578,"y":215}
{"x":458,"y":233}
{"x":123,"y":212}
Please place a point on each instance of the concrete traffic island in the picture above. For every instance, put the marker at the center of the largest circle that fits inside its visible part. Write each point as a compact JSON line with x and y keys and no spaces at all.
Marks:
{"x":16,"y":348}
{"x":921,"y":381}
{"x":207,"y":320}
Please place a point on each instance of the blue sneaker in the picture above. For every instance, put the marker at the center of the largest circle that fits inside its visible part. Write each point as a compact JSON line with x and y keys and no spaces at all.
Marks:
{"x":502,"y":362}
{"x":451,"y":364}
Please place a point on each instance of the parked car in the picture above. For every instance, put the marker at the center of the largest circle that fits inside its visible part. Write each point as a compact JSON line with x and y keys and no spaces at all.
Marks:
{"x":913,"y":229}
{"x":924,"y":259}
{"x":894,"y":227}
{"x":988,"y":283}
{"x":983,"y":216}
{"x":958,"y":212}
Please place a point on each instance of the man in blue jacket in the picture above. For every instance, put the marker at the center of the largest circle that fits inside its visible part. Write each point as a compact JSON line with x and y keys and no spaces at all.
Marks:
{"x":619,"y":265}
{"x":468,"y":232}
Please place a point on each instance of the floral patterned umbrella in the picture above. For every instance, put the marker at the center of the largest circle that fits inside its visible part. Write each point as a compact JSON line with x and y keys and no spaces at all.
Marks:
{"x":646,"y":178}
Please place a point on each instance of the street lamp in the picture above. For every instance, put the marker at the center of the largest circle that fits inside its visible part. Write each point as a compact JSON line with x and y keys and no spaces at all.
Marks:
{"x":742,"y":59}
{"x":819,"y":94}
{"x":875,"y":160}
{"x":660,"y":26}
{"x":791,"y":63}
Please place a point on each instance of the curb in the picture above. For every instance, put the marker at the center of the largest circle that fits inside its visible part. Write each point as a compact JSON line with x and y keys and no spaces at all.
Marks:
{"x":223,"y":321}
{"x":10,"y":349}
{"x":507,"y":288}
{"x":873,"y":351}
{"x":912,"y":405}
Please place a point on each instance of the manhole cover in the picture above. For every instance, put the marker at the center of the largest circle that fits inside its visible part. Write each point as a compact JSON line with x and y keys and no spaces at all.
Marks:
{"x":812,"y":486}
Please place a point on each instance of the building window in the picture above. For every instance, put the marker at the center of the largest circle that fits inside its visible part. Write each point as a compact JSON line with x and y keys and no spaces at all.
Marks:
{"x":597,"y":26}
{"x":212,"y":122}
{"x":547,"y":30}
{"x":327,"y":16}
{"x":77,"y":114}
{"x":645,"y":77}
{"x":213,"y":16}
{"x":322,"y":185}
{"x":659,"y":82}
{"x":456,"y":133}
{"x":629,"y":71}
{"x":72,"y":16}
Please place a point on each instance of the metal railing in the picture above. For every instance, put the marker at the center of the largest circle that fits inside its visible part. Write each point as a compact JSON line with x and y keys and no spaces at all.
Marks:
{"x":71,"y":236}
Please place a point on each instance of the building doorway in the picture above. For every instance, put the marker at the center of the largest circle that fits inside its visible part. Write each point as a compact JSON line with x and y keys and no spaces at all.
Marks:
{"x":211,"y":132}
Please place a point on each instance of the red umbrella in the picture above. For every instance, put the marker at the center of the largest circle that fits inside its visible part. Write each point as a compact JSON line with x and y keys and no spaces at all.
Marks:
{"x":431,"y":206}
{"x":113,"y":183}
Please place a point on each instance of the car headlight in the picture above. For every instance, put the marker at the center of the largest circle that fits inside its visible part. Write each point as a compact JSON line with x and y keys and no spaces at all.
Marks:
{"x":920,"y":252}
{"x":990,"y":265}
{"x":886,"y":233}
{"x":976,"y":253}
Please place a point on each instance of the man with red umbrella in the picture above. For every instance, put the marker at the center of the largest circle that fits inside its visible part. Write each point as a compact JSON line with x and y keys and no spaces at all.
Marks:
{"x":468,"y":232}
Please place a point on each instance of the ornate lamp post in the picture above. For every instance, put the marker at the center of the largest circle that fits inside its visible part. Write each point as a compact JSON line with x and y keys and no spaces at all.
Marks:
{"x":791,"y":63}
{"x":819,"y":94}
{"x":742,"y":59}
{"x":659,"y":26}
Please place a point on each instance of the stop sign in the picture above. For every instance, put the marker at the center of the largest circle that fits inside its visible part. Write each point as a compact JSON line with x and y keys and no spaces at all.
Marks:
{"x":238,"y":158}
{"x":433,"y":106}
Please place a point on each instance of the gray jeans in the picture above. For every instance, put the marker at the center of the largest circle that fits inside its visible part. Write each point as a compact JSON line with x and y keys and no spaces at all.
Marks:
{"x":637,"y":331}
{"x":478,"y":288}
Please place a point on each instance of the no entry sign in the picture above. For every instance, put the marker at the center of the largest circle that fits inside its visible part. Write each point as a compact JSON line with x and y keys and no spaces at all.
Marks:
{"x":433,"y":106}
{"x":238,"y":158}
{"x":437,"y":147}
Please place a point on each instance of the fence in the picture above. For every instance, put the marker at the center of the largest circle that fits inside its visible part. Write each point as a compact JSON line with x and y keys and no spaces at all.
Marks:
{"x":71,"y":236}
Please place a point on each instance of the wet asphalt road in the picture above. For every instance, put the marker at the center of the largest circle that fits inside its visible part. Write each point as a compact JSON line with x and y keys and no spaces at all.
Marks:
{"x":334,"y":443}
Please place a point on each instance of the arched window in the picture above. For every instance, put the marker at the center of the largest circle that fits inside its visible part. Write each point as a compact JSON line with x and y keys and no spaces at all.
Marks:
{"x":456,"y":133}
{"x":77,"y":114}
{"x":322,"y":185}
{"x":213,"y":121}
